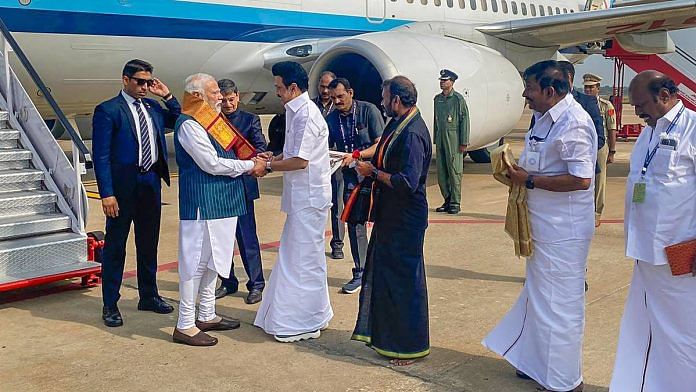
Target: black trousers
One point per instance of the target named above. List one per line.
(143, 208)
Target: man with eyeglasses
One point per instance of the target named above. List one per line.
(541, 336)
(130, 159)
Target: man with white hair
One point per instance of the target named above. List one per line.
(211, 197)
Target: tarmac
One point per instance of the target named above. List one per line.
(53, 338)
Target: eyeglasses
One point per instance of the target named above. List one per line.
(141, 81)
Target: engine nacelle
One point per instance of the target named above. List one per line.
(490, 83)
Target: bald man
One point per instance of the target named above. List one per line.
(657, 343)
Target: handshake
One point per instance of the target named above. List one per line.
(259, 169)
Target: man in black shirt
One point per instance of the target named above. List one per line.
(353, 125)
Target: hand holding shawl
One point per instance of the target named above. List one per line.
(517, 224)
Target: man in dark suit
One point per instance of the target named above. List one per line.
(130, 158)
(249, 125)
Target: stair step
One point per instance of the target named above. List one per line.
(8, 144)
(28, 225)
(14, 158)
(27, 202)
(14, 154)
(9, 139)
(22, 256)
(20, 180)
(9, 134)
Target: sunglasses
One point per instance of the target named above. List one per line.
(141, 82)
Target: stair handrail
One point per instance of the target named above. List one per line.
(74, 135)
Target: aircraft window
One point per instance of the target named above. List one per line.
(424, 2)
(550, 10)
(565, 10)
(541, 10)
(524, 8)
(514, 7)
(484, 5)
(473, 4)
(409, 1)
(503, 4)
(462, 4)
(494, 5)
(532, 9)
(437, 2)
(558, 11)
(450, 3)
(571, 11)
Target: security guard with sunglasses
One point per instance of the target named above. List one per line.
(130, 159)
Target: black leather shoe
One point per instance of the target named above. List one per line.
(155, 304)
(443, 208)
(453, 210)
(337, 254)
(111, 316)
(224, 291)
(253, 297)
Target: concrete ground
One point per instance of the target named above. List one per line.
(58, 341)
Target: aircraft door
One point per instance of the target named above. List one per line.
(375, 10)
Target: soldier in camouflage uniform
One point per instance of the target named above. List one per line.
(605, 154)
(451, 135)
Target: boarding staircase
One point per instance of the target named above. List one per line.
(42, 201)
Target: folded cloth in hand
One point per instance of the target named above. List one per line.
(517, 224)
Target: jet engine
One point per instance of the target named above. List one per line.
(490, 84)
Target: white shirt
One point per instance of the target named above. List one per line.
(668, 214)
(569, 148)
(153, 145)
(306, 137)
(194, 139)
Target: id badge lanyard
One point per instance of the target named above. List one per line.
(533, 159)
(639, 187)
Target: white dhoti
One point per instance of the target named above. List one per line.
(206, 248)
(542, 334)
(657, 343)
(296, 299)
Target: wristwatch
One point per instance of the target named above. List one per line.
(269, 169)
(167, 97)
(529, 184)
(374, 172)
(612, 151)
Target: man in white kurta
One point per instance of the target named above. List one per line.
(657, 343)
(541, 336)
(209, 205)
(296, 303)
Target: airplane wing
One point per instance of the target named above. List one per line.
(588, 26)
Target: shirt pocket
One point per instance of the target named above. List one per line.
(662, 164)
(363, 137)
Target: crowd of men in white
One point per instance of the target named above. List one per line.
(542, 334)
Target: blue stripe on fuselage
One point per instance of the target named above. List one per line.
(177, 19)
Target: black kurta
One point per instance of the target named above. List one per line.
(393, 314)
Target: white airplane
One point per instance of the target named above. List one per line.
(79, 46)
